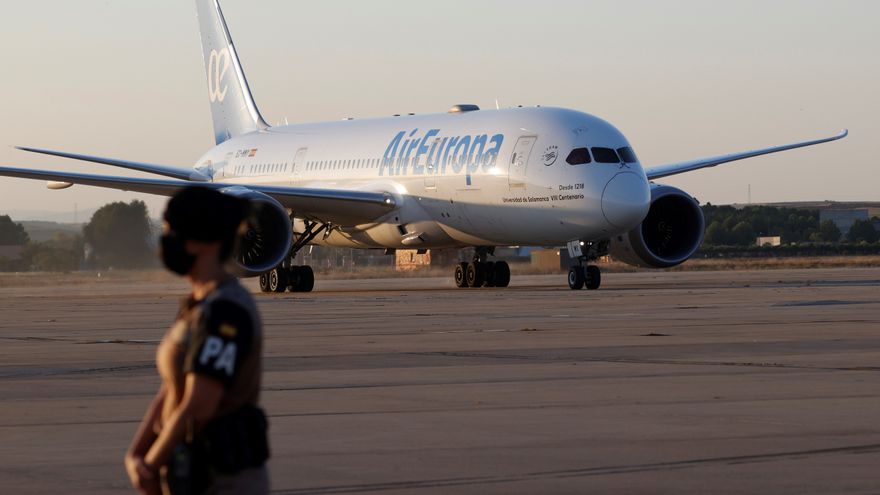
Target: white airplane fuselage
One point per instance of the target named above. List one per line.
(483, 177)
(465, 178)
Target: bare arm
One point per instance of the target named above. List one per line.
(201, 397)
(145, 435)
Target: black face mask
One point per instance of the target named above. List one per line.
(173, 253)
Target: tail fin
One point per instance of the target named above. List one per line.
(232, 105)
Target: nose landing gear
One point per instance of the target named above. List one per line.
(482, 273)
(581, 275)
(584, 276)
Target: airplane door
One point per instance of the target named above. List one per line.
(519, 160)
(298, 163)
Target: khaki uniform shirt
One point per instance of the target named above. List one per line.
(221, 337)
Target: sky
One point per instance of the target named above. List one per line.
(682, 79)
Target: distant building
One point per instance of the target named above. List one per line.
(546, 259)
(411, 259)
(844, 219)
(769, 241)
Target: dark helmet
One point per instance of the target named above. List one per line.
(202, 214)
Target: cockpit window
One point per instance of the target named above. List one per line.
(578, 156)
(627, 154)
(605, 155)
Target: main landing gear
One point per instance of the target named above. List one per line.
(293, 278)
(482, 273)
(288, 276)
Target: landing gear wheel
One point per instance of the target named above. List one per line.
(461, 275)
(293, 278)
(476, 274)
(264, 282)
(278, 280)
(576, 278)
(593, 277)
(300, 279)
(489, 270)
(306, 280)
(502, 274)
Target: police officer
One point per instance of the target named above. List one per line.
(204, 432)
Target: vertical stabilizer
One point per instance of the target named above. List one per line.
(232, 106)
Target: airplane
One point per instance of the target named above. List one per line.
(468, 177)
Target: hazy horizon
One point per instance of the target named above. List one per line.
(681, 79)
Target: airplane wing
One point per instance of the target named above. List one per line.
(661, 171)
(338, 206)
(174, 172)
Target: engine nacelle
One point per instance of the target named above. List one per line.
(670, 234)
(266, 242)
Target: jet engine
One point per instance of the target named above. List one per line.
(669, 235)
(267, 237)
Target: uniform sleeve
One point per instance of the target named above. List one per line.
(222, 338)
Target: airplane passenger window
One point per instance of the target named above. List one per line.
(578, 156)
(627, 154)
(605, 155)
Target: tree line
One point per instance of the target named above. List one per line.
(119, 235)
(729, 226)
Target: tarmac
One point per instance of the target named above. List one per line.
(673, 382)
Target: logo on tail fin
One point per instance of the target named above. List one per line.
(218, 66)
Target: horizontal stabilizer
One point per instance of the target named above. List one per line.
(174, 172)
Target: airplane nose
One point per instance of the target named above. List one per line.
(626, 200)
